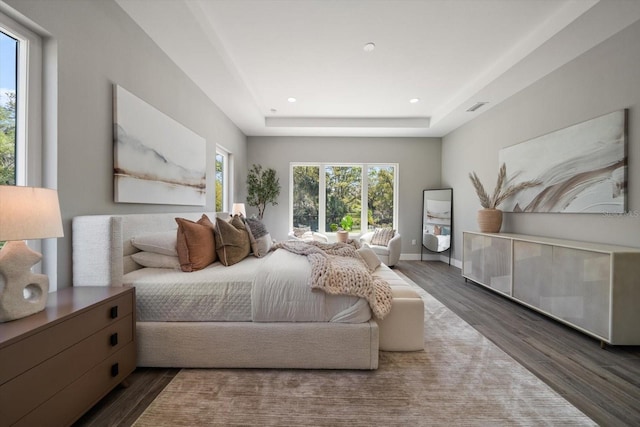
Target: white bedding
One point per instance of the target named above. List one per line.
(282, 293)
(270, 289)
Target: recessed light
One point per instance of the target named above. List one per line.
(414, 100)
(369, 47)
(292, 99)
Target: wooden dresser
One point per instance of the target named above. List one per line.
(56, 364)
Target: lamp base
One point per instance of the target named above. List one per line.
(22, 292)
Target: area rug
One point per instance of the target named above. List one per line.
(461, 378)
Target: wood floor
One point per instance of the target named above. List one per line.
(602, 383)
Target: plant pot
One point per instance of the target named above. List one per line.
(342, 236)
(490, 220)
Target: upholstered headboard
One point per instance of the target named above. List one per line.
(102, 246)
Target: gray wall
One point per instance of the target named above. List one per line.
(419, 168)
(98, 45)
(602, 80)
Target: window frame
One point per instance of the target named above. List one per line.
(29, 160)
(226, 156)
(364, 196)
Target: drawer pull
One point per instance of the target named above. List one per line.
(114, 312)
(115, 370)
(113, 339)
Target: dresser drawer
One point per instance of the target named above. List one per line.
(41, 382)
(34, 349)
(66, 406)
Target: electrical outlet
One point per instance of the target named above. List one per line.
(413, 242)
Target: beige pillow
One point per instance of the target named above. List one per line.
(153, 260)
(163, 242)
(195, 244)
(370, 258)
(381, 236)
(232, 241)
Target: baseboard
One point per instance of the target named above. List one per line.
(431, 257)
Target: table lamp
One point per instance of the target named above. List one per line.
(238, 209)
(25, 213)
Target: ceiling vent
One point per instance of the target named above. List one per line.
(476, 106)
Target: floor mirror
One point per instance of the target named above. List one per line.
(437, 221)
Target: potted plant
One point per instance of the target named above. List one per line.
(345, 227)
(490, 217)
(262, 187)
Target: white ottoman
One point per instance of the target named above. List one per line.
(403, 328)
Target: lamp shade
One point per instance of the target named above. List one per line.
(238, 209)
(29, 213)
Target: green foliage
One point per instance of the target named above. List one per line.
(346, 223)
(343, 194)
(262, 187)
(219, 183)
(8, 141)
(306, 203)
(380, 196)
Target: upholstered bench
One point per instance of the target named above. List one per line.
(403, 328)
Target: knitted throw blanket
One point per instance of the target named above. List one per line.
(337, 269)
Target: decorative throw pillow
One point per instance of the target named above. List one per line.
(195, 244)
(259, 237)
(232, 241)
(160, 243)
(150, 259)
(437, 230)
(370, 258)
(299, 231)
(381, 236)
(257, 227)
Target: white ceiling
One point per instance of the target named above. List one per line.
(249, 56)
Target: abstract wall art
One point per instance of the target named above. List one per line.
(156, 159)
(582, 168)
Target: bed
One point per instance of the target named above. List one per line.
(338, 337)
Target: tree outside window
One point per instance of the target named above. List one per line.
(343, 186)
(306, 199)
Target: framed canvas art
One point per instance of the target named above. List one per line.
(156, 159)
(581, 168)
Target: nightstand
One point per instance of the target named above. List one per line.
(56, 364)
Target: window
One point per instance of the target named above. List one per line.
(222, 181)
(8, 83)
(322, 194)
(20, 103)
(306, 197)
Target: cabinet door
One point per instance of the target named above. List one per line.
(581, 289)
(487, 260)
(532, 272)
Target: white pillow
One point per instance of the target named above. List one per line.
(160, 243)
(153, 260)
(370, 258)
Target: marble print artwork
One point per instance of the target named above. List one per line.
(582, 168)
(156, 159)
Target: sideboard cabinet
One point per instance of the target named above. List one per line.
(592, 287)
